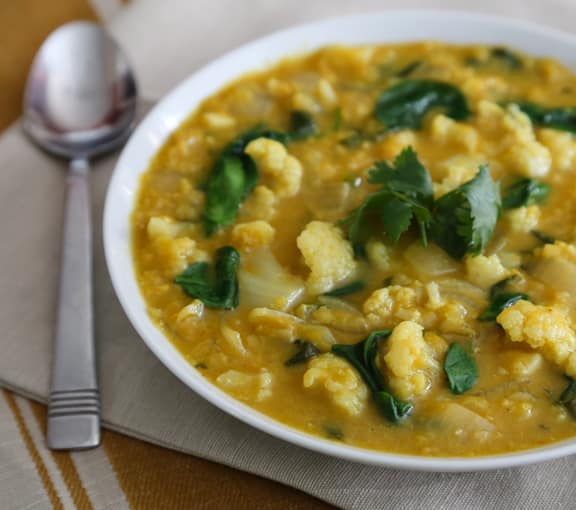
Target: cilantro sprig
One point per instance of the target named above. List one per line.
(406, 196)
(465, 218)
(461, 221)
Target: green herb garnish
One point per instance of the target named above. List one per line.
(507, 57)
(362, 356)
(465, 218)
(351, 288)
(525, 192)
(217, 286)
(406, 195)
(460, 368)
(302, 125)
(306, 351)
(499, 303)
(233, 177)
(568, 396)
(404, 106)
(560, 118)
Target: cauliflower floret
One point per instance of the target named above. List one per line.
(342, 320)
(245, 386)
(215, 120)
(485, 271)
(328, 255)
(273, 161)
(394, 302)
(456, 171)
(254, 234)
(515, 138)
(176, 254)
(446, 130)
(343, 384)
(260, 205)
(543, 328)
(387, 307)
(523, 219)
(162, 226)
(561, 145)
(555, 265)
(410, 361)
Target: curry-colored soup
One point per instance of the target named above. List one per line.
(420, 196)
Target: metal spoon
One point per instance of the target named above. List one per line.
(80, 102)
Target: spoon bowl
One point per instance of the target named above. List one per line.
(80, 98)
(80, 102)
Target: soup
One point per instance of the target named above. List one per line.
(375, 245)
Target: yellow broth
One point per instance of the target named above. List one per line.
(514, 405)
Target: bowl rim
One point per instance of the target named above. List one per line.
(122, 271)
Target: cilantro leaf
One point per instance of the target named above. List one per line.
(404, 106)
(406, 195)
(216, 287)
(465, 218)
(525, 192)
(407, 176)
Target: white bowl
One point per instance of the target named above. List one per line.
(381, 27)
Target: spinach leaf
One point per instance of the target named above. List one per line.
(216, 287)
(560, 118)
(306, 351)
(362, 356)
(302, 125)
(568, 396)
(351, 288)
(465, 218)
(403, 106)
(542, 237)
(499, 303)
(460, 368)
(499, 287)
(507, 56)
(233, 177)
(525, 192)
(406, 195)
(500, 299)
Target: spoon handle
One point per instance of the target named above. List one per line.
(74, 406)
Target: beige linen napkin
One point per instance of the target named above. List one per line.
(141, 398)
